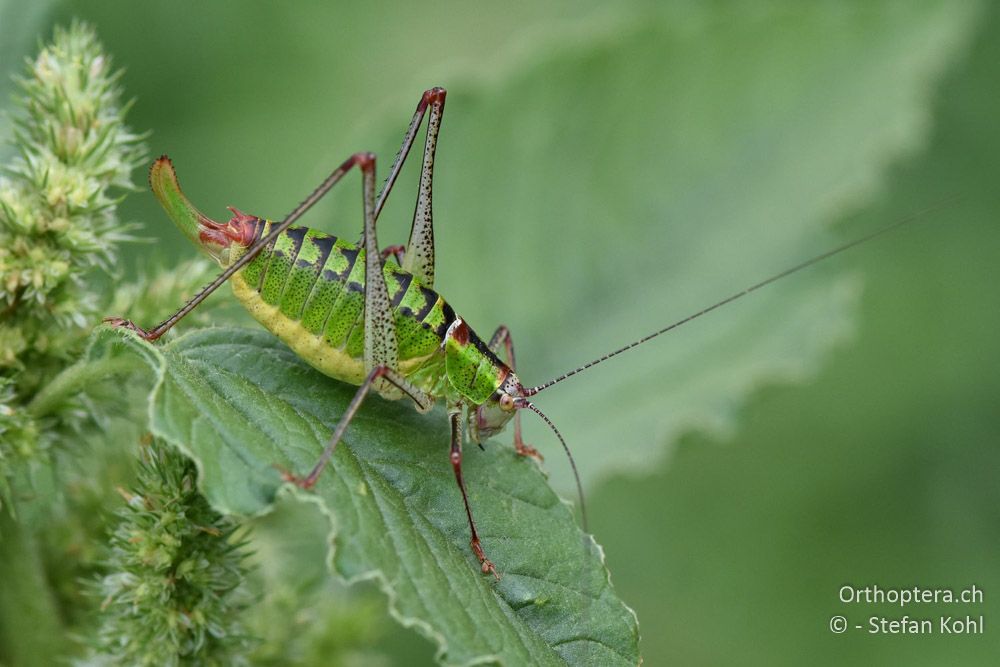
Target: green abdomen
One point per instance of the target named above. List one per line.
(308, 289)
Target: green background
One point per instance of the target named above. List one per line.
(731, 532)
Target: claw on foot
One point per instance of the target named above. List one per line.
(527, 450)
(485, 563)
(301, 482)
(125, 324)
(130, 325)
(488, 568)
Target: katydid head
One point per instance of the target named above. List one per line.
(215, 238)
(493, 414)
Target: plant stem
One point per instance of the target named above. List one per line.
(75, 378)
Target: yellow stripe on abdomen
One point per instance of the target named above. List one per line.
(334, 362)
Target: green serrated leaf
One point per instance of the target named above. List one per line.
(240, 403)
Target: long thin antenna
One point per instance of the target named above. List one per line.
(531, 391)
(572, 464)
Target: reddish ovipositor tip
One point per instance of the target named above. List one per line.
(213, 237)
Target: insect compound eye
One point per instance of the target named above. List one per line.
(506, 402)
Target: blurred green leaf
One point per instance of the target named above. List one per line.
(882, 472)
(239, 402)
(21, 25)
(641, 171)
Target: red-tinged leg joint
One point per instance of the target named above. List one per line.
(395, 251)
(365, 160)
(485, 563)
(305, 483)
(431, 95)
(131, 326)
(523, 449)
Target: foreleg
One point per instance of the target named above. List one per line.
(455, 418)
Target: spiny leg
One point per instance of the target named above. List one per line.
(404, 149)
(252, 252)
(419, 258)
(455, 418)
(380, 325)
(502, 337)
(384, 373)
